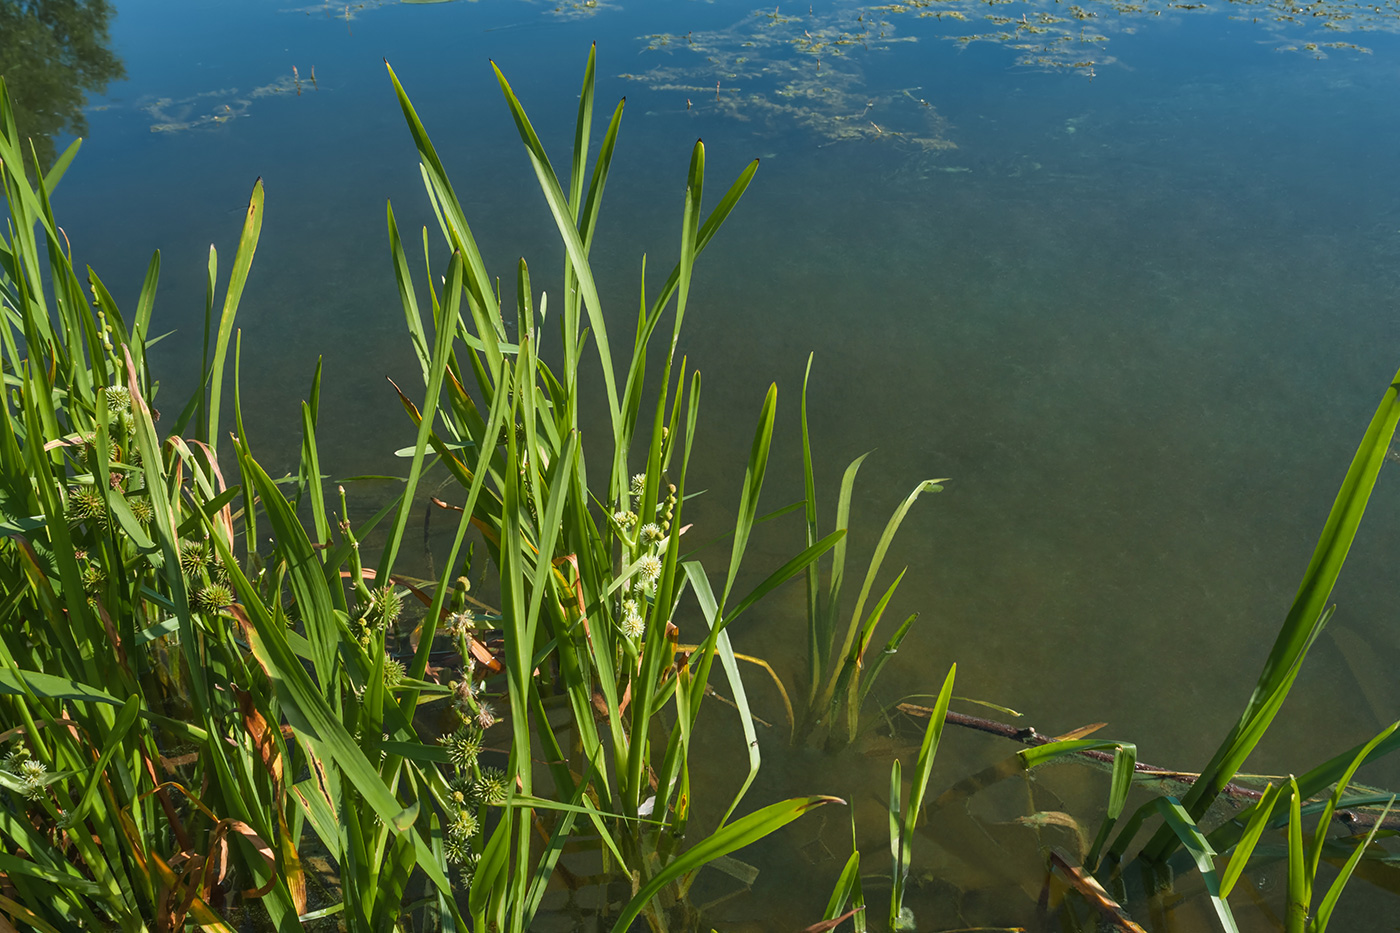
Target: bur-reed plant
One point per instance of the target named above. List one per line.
(185, 722)
(1180, 837)
(137, 765)
(191, 715)
(591, 578)
(839, 677)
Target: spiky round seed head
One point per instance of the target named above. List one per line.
(118, 398)
(84, 503)
(464, 824)
(461, 855)
(491, 787)
(394, 672)
(214, 598)
(457, 851)
(218, 570)
(141, 507)
(384, 607)
(193, 557)
(463, 747)
(93, 577)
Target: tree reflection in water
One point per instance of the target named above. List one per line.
(52, 54)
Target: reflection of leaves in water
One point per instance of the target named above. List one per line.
(52, 54)
(210, 108)
(784, 70)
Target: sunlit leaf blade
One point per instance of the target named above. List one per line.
(242, 263)
(1179, 822)
(1305, 617)
(741, 832)
(1239, 859)
(1329, 901)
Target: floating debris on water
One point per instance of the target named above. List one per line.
(780, 71)
(210, 108)
(806, 70)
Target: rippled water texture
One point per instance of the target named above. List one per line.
(1125, 272)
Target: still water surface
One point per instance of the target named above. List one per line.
(1126, 272)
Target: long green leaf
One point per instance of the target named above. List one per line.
(573, 243)
(1239, 859)
(1180, 823)
(923, 769)
(1329, 901)
(736, 835)
(242, 262)
(1305, 617)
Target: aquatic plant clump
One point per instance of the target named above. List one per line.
(239, 672)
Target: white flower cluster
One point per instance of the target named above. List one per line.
(644, 553)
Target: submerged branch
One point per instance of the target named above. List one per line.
(1356, 821)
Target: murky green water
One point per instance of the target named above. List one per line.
(1127, 273)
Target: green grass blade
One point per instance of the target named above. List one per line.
(302, 702)
(581, 130)
(126, 718)
(1180, 823)
(1301, 626)
(708, 229)
(898, 874)
(146, 303)
(1329, 901)
(845, 887)
(1325, 820)
(876, 560)
(918, 788)
(242, 262)
(809, 502)
(709, 609)
(573, 243)
(786, 572)
(753, 485)
(1239, 859)
(890, 650)
(483, 299)
(404, 278)
(60, 166)
(442, 349)
(742, 832)
(1299, 884)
